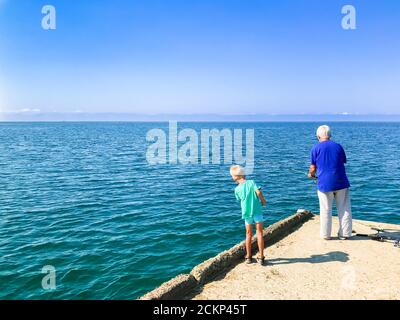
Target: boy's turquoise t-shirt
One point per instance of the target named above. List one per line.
(246, 193)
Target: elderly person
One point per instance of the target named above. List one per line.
(327, 160)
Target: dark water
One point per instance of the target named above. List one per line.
(82, 198)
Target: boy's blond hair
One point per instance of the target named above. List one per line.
(237, 172)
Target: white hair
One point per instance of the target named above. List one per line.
(237, 171)
(324, 132)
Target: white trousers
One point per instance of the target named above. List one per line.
(343, 206)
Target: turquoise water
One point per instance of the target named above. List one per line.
(82, 198)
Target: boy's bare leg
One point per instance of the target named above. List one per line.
(249, 235)
(260, 239)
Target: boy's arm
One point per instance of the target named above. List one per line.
(261, 196)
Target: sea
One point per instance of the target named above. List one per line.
(80, 202)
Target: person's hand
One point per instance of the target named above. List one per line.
(311, 176)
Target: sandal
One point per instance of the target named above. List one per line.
(247, 260)
(261, 260)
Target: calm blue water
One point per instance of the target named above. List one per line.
(81, 197)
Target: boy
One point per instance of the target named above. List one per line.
(251, 199)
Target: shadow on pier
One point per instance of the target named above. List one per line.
(334, 256)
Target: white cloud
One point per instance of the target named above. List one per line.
(28, 110)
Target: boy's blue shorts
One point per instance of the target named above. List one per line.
(254, 219)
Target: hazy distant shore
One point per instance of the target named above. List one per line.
(43, 117)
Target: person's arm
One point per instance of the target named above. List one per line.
(312, 171)
(313, 166)
(261, 197)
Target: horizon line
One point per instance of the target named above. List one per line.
(205, 117)
(38, 112)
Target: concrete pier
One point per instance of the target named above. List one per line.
(303, 266)
(299, 265)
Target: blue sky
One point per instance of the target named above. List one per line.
(200, 56)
